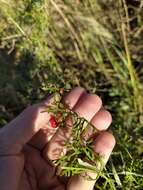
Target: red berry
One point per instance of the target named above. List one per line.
(53, 122)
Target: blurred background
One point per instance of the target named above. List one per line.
(97, 44)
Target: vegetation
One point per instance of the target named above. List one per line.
(79, 158)
(92, 43)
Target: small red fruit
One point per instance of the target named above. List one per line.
(53, 122)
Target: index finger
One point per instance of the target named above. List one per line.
(45, 134)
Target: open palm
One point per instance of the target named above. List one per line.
(27, 144)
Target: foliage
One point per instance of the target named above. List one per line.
(79, 157)
(92, 43)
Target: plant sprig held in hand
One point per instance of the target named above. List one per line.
(80, 159)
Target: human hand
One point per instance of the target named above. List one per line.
(23, 141)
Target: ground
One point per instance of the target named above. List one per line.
(92, 43)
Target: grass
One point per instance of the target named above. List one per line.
(95, 44)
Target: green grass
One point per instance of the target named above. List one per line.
(92, 43)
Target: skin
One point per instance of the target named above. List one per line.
(27, 144)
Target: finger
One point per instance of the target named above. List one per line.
(73, 96)
(45, 134)
(87, 106)
(19, 131)
(101, 121)
(103, 146)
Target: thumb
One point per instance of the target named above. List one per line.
(20, 130)
(103, 146)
